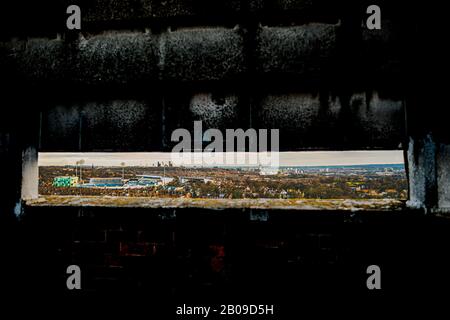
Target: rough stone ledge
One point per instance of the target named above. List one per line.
(284, 204)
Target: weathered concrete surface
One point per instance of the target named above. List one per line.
(202, 54)
(28, 17)
(127, 125)
(216, 109)
(105, 59)
(380, 119)
(273, 204)
(30, 174)
(283, 11)
(102, 10)
(443, 176)
(422, 173)
(429, 175)
(128, 58)
(313, 52)
(123, 58)
(50, 16)
(276, 69)
(113, 11)
(42, 60)
(302, 50)
(282, 5)
(383, 53)
(320, 121)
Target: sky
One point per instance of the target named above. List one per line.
(307, 158)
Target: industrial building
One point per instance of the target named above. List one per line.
(104, 182)
(149, 180)
(65, 181)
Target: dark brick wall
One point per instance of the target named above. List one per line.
(231, 255)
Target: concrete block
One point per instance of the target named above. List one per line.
(202, 54)
(304, 51)
(324, 121)
(122, 58)
(422, 172)
(43, 60)
(61, 128)
(117, 125)
(298, 117)
(216, 110)
(379, 121)
(106, 59)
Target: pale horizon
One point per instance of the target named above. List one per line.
(286, 159)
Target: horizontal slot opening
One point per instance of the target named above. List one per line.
(353, 179)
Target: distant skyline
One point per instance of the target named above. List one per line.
(305, 158)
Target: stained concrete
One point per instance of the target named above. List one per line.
(104, 59)
(443, 176)
(30, 174)
(110, 125)
(214, 110)
(203, 54)
(301, 50)
(422, 172)
(365, 119)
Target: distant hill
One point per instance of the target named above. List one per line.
(398, 166)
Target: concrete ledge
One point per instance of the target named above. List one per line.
(297, 204)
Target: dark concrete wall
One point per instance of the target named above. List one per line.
(324, 71)
(140, 69)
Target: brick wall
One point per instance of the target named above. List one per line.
(225, 255)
